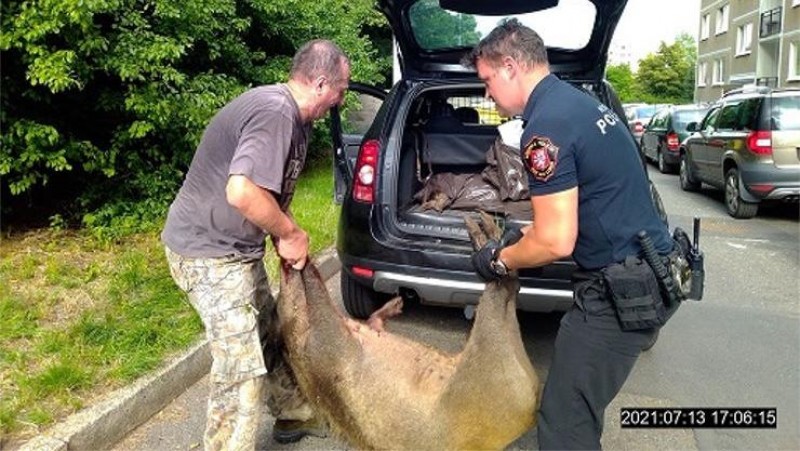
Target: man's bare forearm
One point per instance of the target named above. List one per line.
(259, 207)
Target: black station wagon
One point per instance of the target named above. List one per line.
(434, 123)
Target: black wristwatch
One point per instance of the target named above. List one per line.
(498, 266)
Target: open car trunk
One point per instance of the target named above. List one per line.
(452, 162)
(426, 150)
(409, 177)
(445, 159)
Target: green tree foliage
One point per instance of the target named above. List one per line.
(667, 76)
(622, 79)
(112, 96)
(437, 28)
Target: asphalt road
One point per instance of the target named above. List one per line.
(736, 348)
(739, 345)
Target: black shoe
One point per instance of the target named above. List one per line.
(290, 431)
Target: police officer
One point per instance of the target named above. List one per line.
(590, 198)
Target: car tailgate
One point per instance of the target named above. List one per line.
(786, 149)
(785, 125)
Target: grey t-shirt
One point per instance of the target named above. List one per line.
(259, 135)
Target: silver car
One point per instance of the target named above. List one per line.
(639, 116)
(749, 146)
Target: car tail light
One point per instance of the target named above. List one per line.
(760, 142)
(672, 141)
(638, 127)
(364, 180)
(761, 188)
(362, 272)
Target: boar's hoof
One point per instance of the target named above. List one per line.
(392, 308)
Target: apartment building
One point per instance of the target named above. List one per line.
(744, 42)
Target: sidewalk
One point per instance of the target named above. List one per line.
(104, 424)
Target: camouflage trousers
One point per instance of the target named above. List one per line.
(234, 301)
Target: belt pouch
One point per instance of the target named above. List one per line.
(634, 291)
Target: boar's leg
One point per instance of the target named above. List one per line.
(315, 332)
(319, 344)
(492, 397)
(479, 234)
(378, 318)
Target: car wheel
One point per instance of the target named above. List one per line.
(358, 300)
(737, 207)
(663, 167)
(652, 341)
(688, 183)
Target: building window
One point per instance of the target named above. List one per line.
(702, 72)
(719, 73)
(744, 39)
(705, 26)
(794, 60)
(722, 19)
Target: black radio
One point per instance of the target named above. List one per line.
(686, 263)
(695, 258)
(680, 275)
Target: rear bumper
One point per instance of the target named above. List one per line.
(453, 283)
(672, 157)
(771, 183)
(784, 194)
(458, 293)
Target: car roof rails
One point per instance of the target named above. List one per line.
(787, 89)
(748, 89)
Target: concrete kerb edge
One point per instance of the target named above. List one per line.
(120, 412)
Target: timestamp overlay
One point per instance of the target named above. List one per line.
(699, 417)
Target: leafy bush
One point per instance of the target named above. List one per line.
(114, 94)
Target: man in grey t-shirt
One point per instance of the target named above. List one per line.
(238, 191)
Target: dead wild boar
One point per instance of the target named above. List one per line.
(378, 390)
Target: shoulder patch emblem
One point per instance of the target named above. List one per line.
(540, 157)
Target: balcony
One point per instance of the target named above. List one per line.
(770, 22)
(772, 82)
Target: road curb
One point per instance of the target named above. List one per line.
(105, 423)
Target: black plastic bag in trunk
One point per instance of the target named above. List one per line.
(505, 172)
(503, 180)
(458, 192)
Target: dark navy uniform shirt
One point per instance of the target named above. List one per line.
(572, 140)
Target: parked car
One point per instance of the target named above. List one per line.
(748, 145)
(629, 107)
(630, 111)
(388, 243)
(638, 118)
(666, 131)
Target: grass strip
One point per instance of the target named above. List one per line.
(80, 316)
